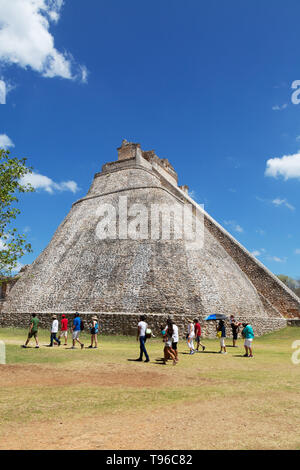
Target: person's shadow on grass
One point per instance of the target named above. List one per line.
(201, 352)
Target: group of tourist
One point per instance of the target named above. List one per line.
(56, 333)
(169, 334)
(171, 337)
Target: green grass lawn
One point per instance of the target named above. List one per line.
(104, 381)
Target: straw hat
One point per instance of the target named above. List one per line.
(94, 318)
(54, 317)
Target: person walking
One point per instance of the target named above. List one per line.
(33, 331)
(248, 335)
(221, 330)
(64, 329)
(141, 337)
(168, 337)
(197, 327)
(54, 331)
(76, 329)
(175, 339)
(235, 330)
(94, 332)
(190, 336)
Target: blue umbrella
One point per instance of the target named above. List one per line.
(216, 316)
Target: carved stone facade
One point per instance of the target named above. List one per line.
(121, 277)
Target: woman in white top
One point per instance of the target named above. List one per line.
(169, 353)
(190, 336)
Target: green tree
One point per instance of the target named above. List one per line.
(293, 284)
(13, 245)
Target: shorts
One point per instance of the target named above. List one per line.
(174, 346)
(234, 335)
(248, 342)
(169, 343)
(76, 334)
(198, 339)
(32, 334)
(222, 342)
(64, 333)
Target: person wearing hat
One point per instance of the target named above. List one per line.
(94, 328)
(198, 335)
(54, 331)
(64, 329)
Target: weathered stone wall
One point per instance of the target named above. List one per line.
(124, 323)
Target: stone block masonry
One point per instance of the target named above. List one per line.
(124, 323)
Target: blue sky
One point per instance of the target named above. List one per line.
(207, 84)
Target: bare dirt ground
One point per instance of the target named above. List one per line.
(204, 424)
(97, 401)
(186, 426)
(25, 375)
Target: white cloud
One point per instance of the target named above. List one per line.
(18, 267)
(25, 39)
(279, 108)
(279, 202)
(277, 259)
(47, 184)
(5, 142)
(256, 253)
(287, 166)
(297, 251)
(260, 231)
(234, 226)
(5, 88)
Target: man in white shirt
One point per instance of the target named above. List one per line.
(54, 331)
(141, 337)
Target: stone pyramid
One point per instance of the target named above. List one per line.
(93, 265)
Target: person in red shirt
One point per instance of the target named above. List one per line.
(64, 329)
(198, 335)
